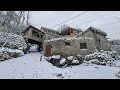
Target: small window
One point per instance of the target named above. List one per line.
(67, 43)
(98, 40)
(42, 36)
(83, 46)
(38, 35)
(34, 33)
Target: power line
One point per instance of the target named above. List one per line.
(70, 19)
(92, 20)
(63, 16)
(89, 16)
(109, 23)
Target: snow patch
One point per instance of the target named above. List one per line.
(56, 57)
(62, 62)
(30, 67)
(70, 58)
(75, 62)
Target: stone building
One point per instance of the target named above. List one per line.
(34, 35)
(69, 46)
(99, 38)
(37, 36)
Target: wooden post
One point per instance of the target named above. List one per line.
(41, 58)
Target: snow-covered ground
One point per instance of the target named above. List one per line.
(29, 66)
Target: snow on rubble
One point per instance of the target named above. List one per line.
(12, 41)
(103, 58)
(56, 56)
(6, 53)
(60, 62)
(11, 46)
(99, 58)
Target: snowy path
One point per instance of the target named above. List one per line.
(30, 67)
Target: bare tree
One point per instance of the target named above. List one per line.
(28, 18)
(61, 28)
(12, 21)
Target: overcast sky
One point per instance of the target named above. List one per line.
(108, 21)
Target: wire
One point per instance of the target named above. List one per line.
(109, 23)
(70, 19)
(92, 20)
(63, 16)
(89, 16)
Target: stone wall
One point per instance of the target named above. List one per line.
(103, 44)
(59, 47)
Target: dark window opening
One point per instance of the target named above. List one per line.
(42, 36)
(67, 43)
(36, 34)
(71, 31)
(83, 46)
(98, 40)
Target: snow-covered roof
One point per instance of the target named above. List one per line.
(93, 30)
(50, 30)
(30, 26)
(67, 39)
(97, 31)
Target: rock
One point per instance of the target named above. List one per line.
(63, 61)
(58, 65)
(55, 59)
(89, 57)
(75, 62)
(1, 56)
(103, 63)
(58, 75)
(68, 62)
(100, 58)
(96, 67)
(26, 49)
(6, 56)
(95, 61)
(115, 55)
(15, 53)
(118, 74)
(70, 58)
(80, 58)
(48, 59)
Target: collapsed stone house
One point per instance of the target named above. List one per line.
(99, 38)
(83, 43)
